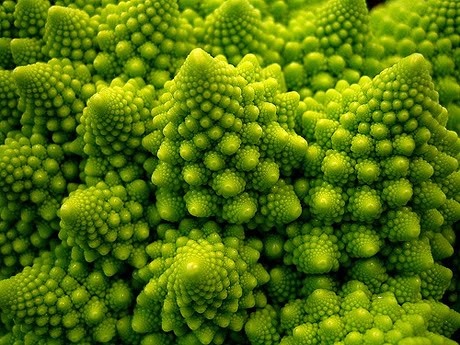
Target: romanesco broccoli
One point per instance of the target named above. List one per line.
(254, 172)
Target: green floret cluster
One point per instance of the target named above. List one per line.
(61, 296)
(226, 136)
(255, 172)
(204, 280)
(430, 29)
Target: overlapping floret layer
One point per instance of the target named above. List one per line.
(229, 172)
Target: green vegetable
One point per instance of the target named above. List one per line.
(229, 172)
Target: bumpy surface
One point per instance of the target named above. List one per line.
(254, 172)
(202, 281)
(225, 142)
